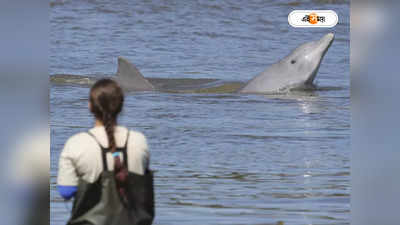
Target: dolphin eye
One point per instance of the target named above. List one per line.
(293, 61)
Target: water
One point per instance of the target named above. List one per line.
(218, 158)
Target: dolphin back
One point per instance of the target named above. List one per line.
(130, 78)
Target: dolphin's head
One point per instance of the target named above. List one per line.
(305, 60)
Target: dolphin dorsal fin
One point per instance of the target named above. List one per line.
(130, 77)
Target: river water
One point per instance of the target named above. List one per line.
(218, 158)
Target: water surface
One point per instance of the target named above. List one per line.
(218, 158)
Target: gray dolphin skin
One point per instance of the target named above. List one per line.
(297, 70)
(130, 78)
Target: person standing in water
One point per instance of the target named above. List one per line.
(106, 169)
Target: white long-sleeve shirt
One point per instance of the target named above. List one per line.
(81, 156)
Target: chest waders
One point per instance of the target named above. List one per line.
(99, 203)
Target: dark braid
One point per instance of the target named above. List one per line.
(106, 99)
(109, 125)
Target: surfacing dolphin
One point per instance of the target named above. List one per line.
(295, 71)
(130, 78)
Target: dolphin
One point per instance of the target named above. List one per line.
(295, 71)
(130, 78)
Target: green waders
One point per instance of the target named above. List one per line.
(99, 203)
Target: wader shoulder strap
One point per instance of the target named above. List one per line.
(103, 152)
(124, 151)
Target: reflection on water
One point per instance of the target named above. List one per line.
(219, 158)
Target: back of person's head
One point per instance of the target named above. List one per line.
(106, 100)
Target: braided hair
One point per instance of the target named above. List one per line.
(106, 100)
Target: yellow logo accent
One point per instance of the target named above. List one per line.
(313, 18)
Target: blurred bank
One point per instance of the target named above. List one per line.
(375, 108)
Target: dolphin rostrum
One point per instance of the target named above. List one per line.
(295, 71)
